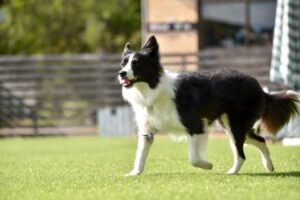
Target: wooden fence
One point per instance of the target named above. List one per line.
(63, 92)
(14, 109)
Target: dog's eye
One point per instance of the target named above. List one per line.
(124, 62)
(134, 62)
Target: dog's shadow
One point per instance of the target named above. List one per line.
(275, 174)
(272, 174)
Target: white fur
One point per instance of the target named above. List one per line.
(144, 144)
(237, 164)
(265, 154)
(155, 111)
(197, 150)
(127, 68)
(154, 108)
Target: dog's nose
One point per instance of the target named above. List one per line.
(122, 74)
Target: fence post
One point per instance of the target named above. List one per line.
(35, 122)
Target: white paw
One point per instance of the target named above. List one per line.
(236, 166)
(202, 164)
(133, 173)
(232, 171)
(268, 165)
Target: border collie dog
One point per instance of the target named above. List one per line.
(190, 102)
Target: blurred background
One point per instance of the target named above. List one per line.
(59, 59)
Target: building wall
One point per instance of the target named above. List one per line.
(172, 11)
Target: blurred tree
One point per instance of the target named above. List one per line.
(68, 26)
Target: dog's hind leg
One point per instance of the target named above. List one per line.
(144, 144)
(238, 153)
(197, 150)
(259, 142)
(237, 134)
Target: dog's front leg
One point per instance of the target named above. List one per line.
(143, 147)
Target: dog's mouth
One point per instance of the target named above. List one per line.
(126, 82)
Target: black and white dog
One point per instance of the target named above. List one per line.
(190, 102)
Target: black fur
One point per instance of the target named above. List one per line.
(209, 95)
(253, 135)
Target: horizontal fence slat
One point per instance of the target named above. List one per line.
(59, 57)
(62, 66)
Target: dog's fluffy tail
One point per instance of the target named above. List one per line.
(280, 109)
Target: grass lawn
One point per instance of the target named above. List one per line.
(93, 168)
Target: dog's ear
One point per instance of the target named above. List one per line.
(151, 47)
(127, 49)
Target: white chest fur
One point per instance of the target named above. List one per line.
(155, 109)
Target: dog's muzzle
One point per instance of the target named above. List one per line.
(123, 80)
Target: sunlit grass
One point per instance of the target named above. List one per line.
(93, 168)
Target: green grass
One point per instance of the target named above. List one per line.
(94, 168)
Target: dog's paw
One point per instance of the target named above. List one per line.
(268, 164)
(133, 173)
(203, 164)
(232, 171)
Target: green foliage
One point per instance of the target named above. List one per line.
(68, 26)
(94, 168)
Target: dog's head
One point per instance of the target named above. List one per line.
(140, 66)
